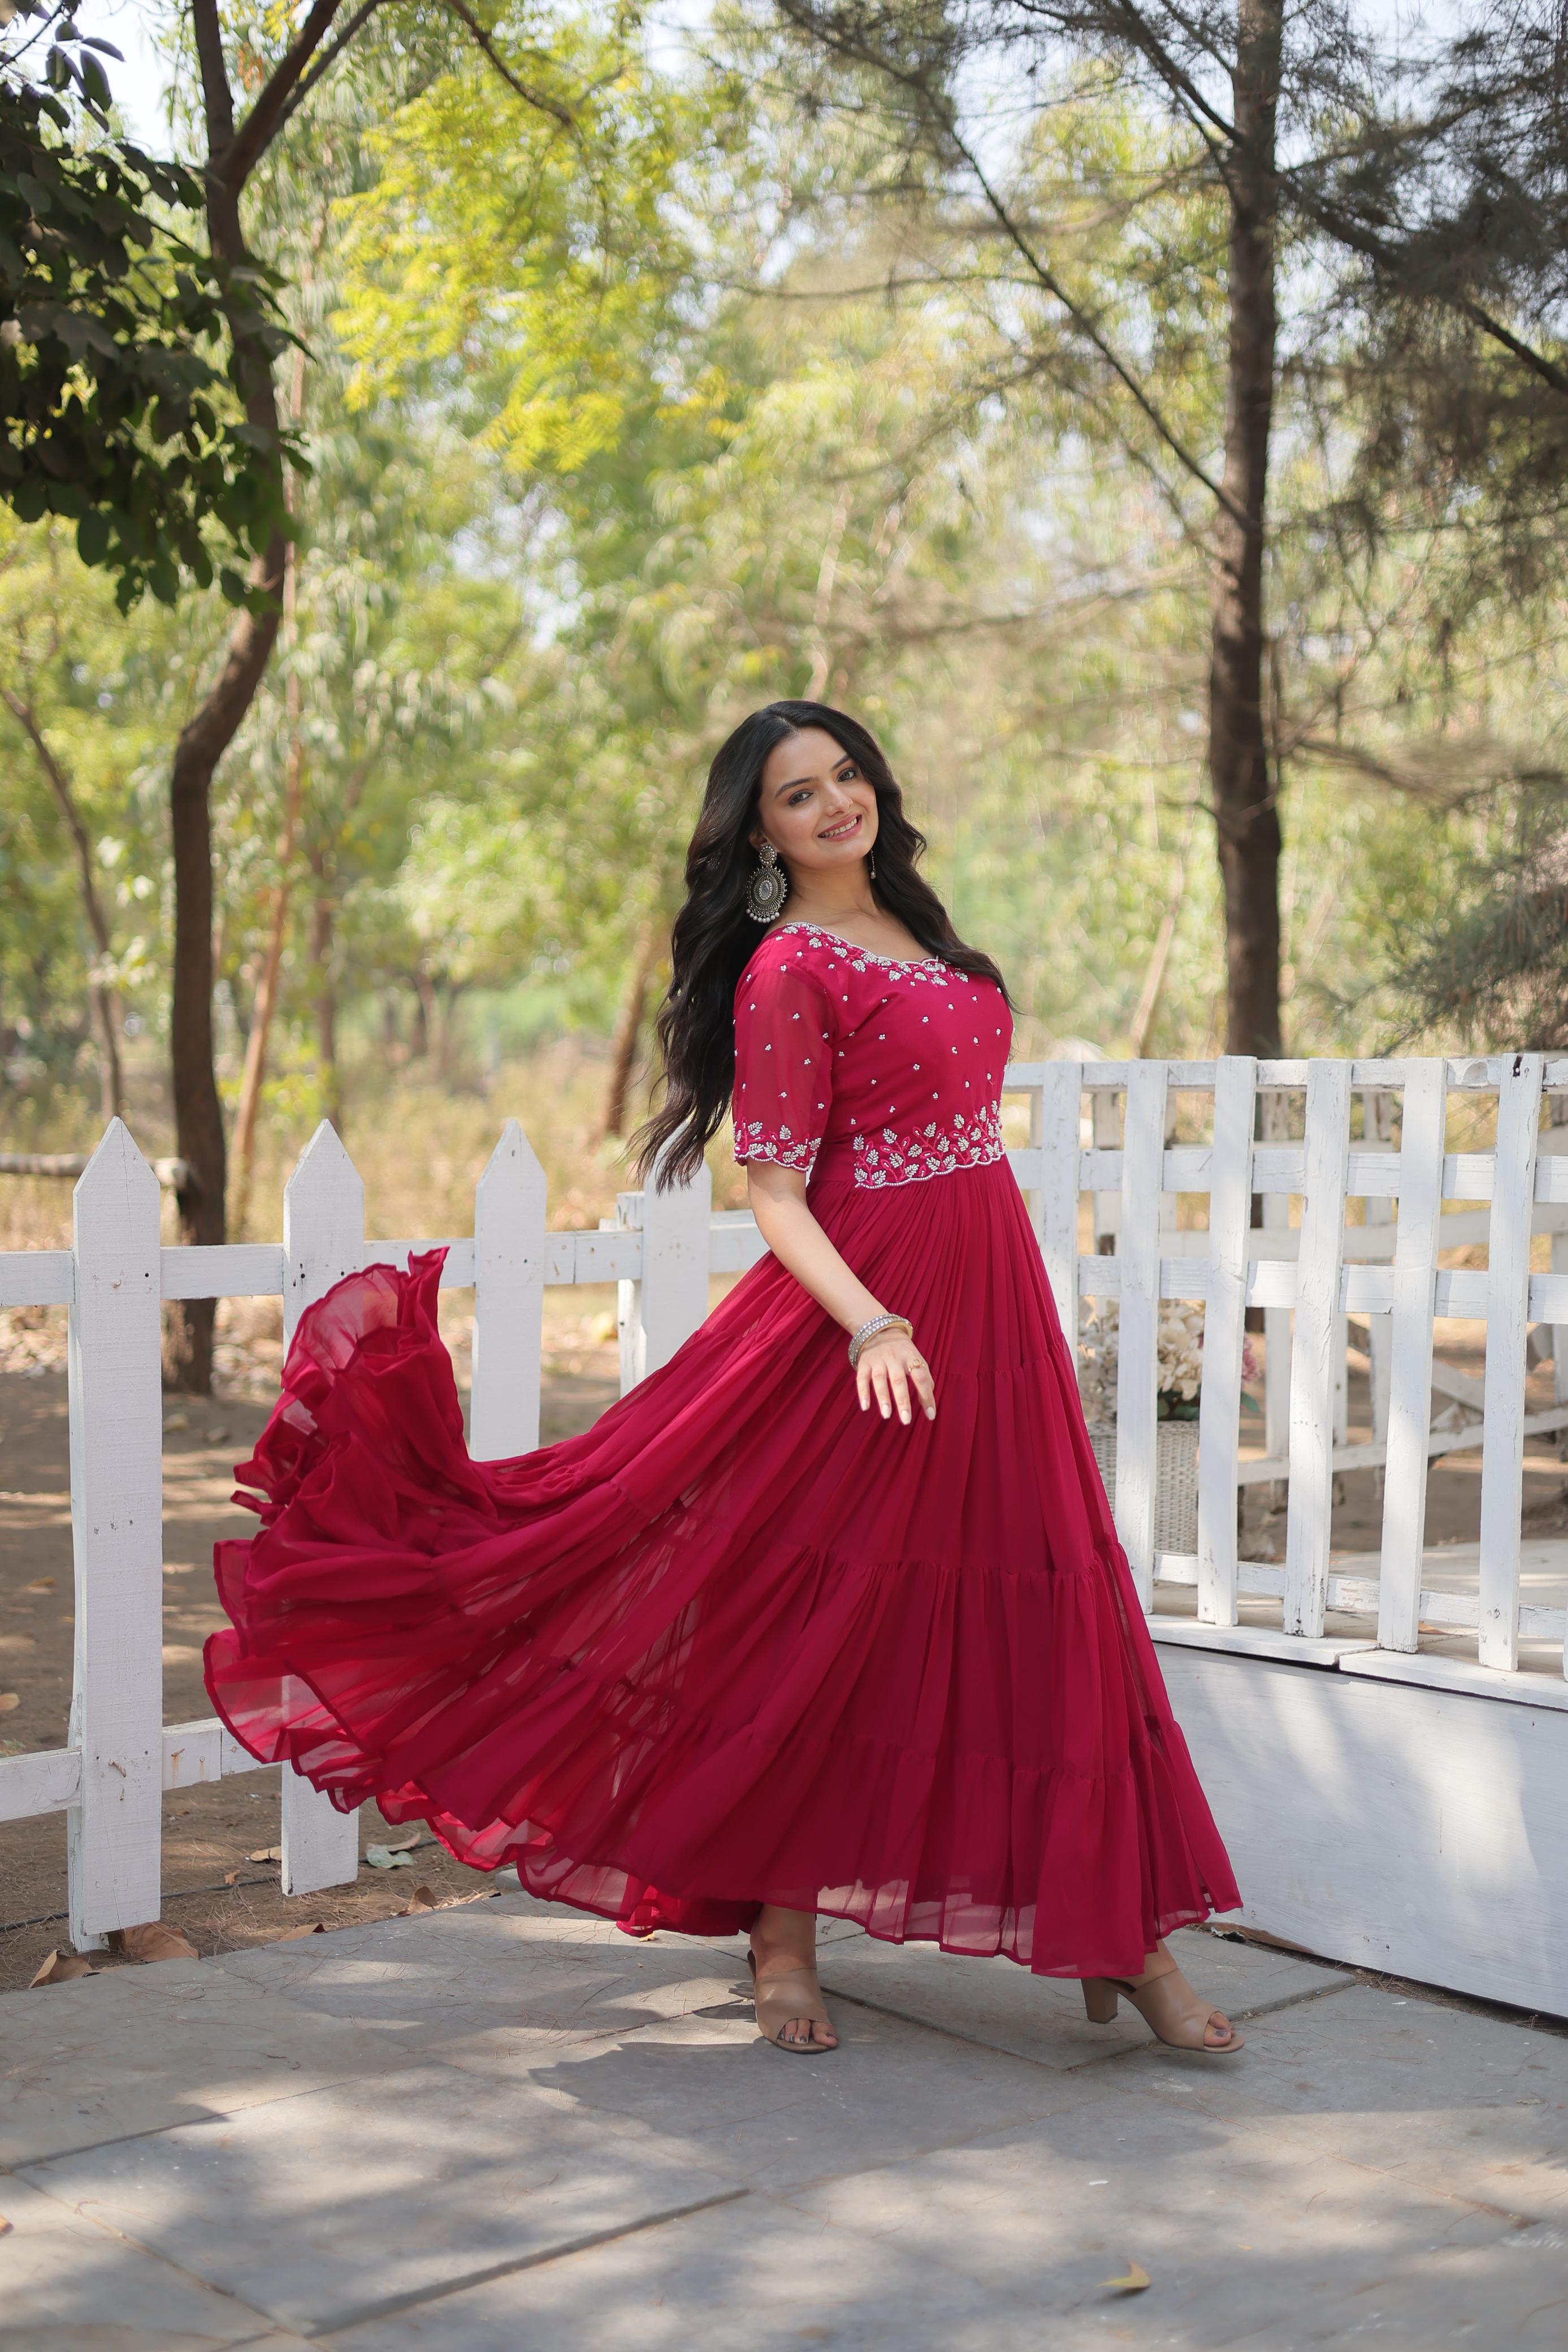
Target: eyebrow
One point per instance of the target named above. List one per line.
(847, 762)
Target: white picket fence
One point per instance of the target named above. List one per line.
(121, 1755)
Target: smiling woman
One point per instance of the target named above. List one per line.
(780, 1635)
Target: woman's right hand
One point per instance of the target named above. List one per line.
(893, 1371)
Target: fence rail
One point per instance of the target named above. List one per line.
(1100, 1151)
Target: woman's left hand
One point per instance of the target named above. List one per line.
(892, 1370)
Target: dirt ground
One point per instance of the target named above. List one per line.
(208, 1833)
(211, 1835)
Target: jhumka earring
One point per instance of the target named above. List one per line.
(871, 863)
(767, 889)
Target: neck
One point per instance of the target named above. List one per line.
(832, 906)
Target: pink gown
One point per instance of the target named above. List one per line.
(741, 1642)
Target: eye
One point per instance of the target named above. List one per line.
(797, 797)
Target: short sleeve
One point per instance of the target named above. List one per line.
(783, 1066)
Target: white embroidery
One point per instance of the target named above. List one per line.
(755, 1142)
(890, 1157)
(925, 968)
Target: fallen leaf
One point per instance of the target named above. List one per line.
(390, 1857)
(40, 1585)
(175, 1422)
(8, 1699)
(230, 1878)
(265, 1853)
(421, 1900)
(63, 1968)
(1136, 2280)
(155, 1940)
(292, 1935)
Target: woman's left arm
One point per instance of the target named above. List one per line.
(890, 1367)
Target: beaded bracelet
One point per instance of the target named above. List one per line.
(868, 1331)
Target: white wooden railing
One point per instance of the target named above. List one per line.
(121, 1755)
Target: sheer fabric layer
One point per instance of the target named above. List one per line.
(739, 1643)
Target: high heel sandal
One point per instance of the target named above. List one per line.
(1168, 2006)
(777, 2005)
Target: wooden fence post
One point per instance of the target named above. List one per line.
(1422, 1133)
(1275, 1121)
(670, 1302)
(1138, 1319)
(1508, 1328)
(1317, 1347)
(1055, 1113)
(1223, 1335)
(114, 1830)
(508, 1300)
(323, 1239)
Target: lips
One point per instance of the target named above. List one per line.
(841, 832)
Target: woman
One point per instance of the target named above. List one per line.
(785, 1634)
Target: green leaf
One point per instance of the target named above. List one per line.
(93, 536)
(233, 586)
(30, 497)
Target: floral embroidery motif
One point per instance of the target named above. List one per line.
(925, 968)
(892, 1158)
(755, 1142)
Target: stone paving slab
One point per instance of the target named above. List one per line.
(504, 2126)
(1247, 2237)
(455, 1974)
(343, 2200)
(1456, 2102)
(135, 2049)
(1042, 2018)
(764, 2117)
(743, 2277)
(66, 2285)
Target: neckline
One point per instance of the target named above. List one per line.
(899, 963)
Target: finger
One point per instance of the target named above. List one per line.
(925, 1389)
(863, 1382)
(879, 1382)
(900, 1392)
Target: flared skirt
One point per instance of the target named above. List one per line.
(741, 1642)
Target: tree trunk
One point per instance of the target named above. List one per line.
(629, 1027)
(205, 737)
(111, 1090)
(266, 994)
(1245, 805)
(257, 1043)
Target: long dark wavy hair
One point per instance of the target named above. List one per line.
(715, 939)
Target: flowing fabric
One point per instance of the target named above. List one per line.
(741, 1643)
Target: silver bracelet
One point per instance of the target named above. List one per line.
(868, 1331)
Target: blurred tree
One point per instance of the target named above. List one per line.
(115, 404)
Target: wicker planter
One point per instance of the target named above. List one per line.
(1176, 1481)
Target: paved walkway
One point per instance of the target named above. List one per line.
(503, 2128)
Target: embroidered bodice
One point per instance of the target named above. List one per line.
(854, 1064)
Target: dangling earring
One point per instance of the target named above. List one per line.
(871, 865)
(767, 889)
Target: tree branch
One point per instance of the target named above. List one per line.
(535, 98)
(243, 149)
(325, 62)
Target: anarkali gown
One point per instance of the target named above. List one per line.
(743, 1642)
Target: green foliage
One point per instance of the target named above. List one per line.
(116, 408)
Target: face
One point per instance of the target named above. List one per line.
(817, 807)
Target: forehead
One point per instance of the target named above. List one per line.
(813, 752)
